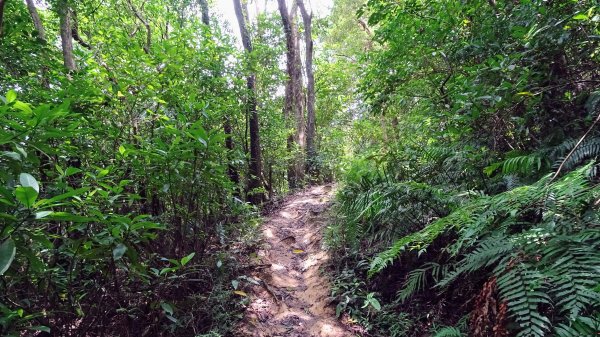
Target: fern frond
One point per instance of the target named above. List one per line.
(418, 278)
(448, 331)
(522, 289)
(489, 252)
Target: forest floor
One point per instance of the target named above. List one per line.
(292, 296)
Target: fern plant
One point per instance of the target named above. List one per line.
(541, 242)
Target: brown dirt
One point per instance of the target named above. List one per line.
(292, 298)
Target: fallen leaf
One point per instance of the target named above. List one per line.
(298, 251)
(241, 293)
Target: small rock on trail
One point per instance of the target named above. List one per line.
(292, 298)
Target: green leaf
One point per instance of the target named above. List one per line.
(63, 196)
(71, 171)
(40, 328)
(375, 304)
(42, 214)
(12, 155)
(26, 195)
(581, 17)
(23, 107)
(21, 151)
(7, 255)
(187, 259)
(64, 216)
(167, 308)
(119, 251)
(27, 180)
(11, 96)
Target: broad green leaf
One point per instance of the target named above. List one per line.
(167, 308)
(27, 180)
(71, 171)
(12, 155)
(23, 107)
(187, 259)
(581, 17)
(11, 96)
(7, 255)
(375, 303)
(26, 195)
(119, 251)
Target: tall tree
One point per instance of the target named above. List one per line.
(37, 22)
(255, 171)
(2, 4)
(310, 89)
(204, 11)
(66, 35)
(293, 94)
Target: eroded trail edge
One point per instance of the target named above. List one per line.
(292, 297)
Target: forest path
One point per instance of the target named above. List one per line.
(292, 297)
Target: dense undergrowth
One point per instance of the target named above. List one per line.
(135, 134)
(123, 167)
(477, 212)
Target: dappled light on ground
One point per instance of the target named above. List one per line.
(291, 298)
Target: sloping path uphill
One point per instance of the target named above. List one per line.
(291, 297)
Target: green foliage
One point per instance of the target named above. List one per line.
(448, 332)
(478, 104)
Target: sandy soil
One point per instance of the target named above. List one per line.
(292, 296)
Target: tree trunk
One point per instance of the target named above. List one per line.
(66, 35)
(293, 95)
(311, 151)
(2, 4)
(37, 22)
(255, 174)
(204, 10)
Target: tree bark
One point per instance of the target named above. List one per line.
(255, 171)
(75, 31)
(66, 35)
(293, 95)
(37, 22)
(2, 4)
(204, 10)
(311, 151)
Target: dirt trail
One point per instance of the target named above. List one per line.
(292, 299)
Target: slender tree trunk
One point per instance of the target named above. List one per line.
(37, 22)
(255, 172)
(311, 151)
(204, 10)
(2, 4)
(66, 35)
(293, 95)
(300, 136)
